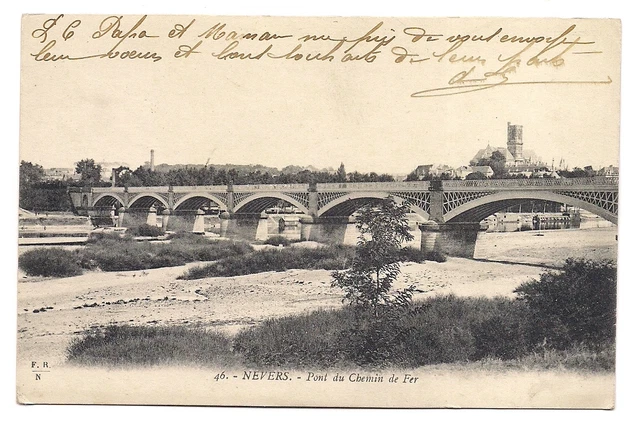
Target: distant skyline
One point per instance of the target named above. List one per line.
(160, 160)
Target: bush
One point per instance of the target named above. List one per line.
(576, 305)
(146, 230)
(307, 340)
(410, 254)
(436, 256)
(438, 330)
(50, 262)
(277, 241)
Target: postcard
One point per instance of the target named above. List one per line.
(318, 211)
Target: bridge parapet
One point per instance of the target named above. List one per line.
(373, 186)
(533, 184)
(106, 190)
(208, 188)
(146, 189)
(290, 187)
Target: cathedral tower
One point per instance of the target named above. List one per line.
(514, 142)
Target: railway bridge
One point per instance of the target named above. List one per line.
(450, 210)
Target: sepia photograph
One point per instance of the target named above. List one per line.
(377, 212)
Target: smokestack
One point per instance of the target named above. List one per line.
(152, 164)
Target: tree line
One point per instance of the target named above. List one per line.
(209, 175)
(38, 193)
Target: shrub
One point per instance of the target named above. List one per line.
(277, 241)
(436, 256)
(438, 330)
(147, 230)
(307, 340)
(50, 262)
(409, 254)
(573, 306)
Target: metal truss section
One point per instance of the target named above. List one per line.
(239, 197)
(177, 197)
(417, 198)
(302, 197)
(325, 197)
(452, 200)
(221, 196)
(607, 200)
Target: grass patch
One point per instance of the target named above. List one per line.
(111, 252)
(512, 333)
(575, 358)
(123, 254)
(327, 258)
(477, 333)
(333, 257)
(146, 230)
(145, 346)
(439, 330)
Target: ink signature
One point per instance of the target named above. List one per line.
(552, 55)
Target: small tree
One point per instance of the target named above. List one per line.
(30, 173)
(383, 227)
(476, 175)
(412, 177)
(342, 173)
(89, 171)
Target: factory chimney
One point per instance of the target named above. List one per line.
(152, 165)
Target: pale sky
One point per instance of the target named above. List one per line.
(277, 112)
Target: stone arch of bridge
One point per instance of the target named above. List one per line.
(347, 204)
(194, 201)
(481, 208)
(258, 202)
(146, 199)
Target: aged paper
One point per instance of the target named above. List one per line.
(391, 96)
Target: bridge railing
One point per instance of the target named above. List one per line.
(155, 189)
(367, 186)
(382, 186)
(274, 188)
(209, 188)
(531, 183)
(108, 190)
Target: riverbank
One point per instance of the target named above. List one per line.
(51, 312)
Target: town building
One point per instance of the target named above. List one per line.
(463, 171)
(60, 173)
(432, 170)
(609, 171)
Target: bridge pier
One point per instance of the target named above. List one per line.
(239, 226)
(452, 239)
(262, 232)
(340, 230)
(198, 224)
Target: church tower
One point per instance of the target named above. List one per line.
(514, 142)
